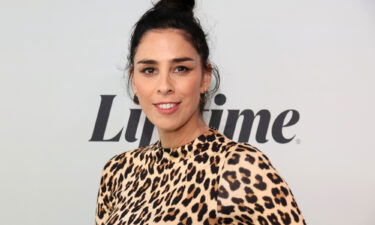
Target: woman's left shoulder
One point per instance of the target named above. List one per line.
(250, 183)
(243, 152)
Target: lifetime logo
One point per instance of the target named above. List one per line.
(248, 116)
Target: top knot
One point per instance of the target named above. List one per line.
(175, 6)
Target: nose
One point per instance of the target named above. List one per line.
(165, 85)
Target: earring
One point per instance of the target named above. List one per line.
(203, 97)
(135, 99)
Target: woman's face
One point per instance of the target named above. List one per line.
(168, 78)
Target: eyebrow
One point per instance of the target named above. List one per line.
(175, 60)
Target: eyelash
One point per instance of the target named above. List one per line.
(145, 69)
(185, 69)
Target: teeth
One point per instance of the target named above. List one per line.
(166, 106)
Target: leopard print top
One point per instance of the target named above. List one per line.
(211, 180)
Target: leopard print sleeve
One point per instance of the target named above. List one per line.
(251, 191)
(104, 198)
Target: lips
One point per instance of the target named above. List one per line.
(167, 107)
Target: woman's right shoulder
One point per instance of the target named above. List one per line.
(119, 160)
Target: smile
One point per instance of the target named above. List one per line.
(167, 108)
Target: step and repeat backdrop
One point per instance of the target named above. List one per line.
(297, 82)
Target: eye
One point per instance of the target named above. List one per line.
(181, 69)
(148, 70)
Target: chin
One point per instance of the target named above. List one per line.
(167, 127)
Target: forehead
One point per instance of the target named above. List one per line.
(165, 43)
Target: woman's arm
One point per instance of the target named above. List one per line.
(104, 198)
(251, 191)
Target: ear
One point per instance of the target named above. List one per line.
(206, 78)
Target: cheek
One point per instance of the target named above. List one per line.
(142, 87)
(195, 84)
(191, 88)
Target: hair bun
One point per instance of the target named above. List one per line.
(175, 5)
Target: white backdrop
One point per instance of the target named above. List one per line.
(58, 57)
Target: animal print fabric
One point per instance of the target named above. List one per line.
(211, 180)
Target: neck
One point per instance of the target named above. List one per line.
(183, 134)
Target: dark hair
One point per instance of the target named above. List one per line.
(176, 14)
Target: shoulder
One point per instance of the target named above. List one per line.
(118, 166)
(242, 152)
(249, 183)
(247, 163)
(237, 154)
(121, 161)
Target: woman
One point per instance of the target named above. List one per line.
(193, 174)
